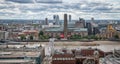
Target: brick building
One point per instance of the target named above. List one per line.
(85, 56)
(63, 57)
(82, 56)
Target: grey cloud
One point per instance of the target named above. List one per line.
(36, 1)
(49, 1)
(21, 1)
(84, 7)
(102, 8)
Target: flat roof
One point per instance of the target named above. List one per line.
(15, 61)
(19, 54)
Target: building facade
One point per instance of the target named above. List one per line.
(4, 35)
(82, 56)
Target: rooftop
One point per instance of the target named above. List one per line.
(70, 29)
(54, 29)
(14, 54)
(15, 61)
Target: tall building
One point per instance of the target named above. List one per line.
(83, 21)
(3, 27)
(96, 30)
(4, 35)
(80, 23)
(92, 19)
(70, 18)
(56, 19)
(89, 27)
(65, 26)
(46, 21)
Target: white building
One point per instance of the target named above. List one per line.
(4, 35)
(50, 25)
(49, 49)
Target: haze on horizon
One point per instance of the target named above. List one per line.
(39, 9)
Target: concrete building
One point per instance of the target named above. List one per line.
(1, 27)
(71, 31)
(4, 35)
(68, 29)
(49, 49)
(96, 30)
(56, 19)
(46, 21)
(28, 33)
(83, 22)
(65, 26)
(70, 18)
(92, 19)
(89, 27)
(79, 24)
(81, 56)
(50, 25)
(113, 58)
(88, 56)
(16, 62)
(21, 54)
(63, 57)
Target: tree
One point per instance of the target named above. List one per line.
(31, 37)
(75, 37)
(41, 33)
(41, 37)
(100, 38)
(22, 37)
(46, 36)
(116, 36)
(58, 37)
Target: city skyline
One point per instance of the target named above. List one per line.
(38, 9)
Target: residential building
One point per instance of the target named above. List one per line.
(63, 57)
(4, 35)
(81, 56)
(89, 27)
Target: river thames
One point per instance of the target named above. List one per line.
(105, 46)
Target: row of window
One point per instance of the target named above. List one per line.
(63, 59)
(70, 34)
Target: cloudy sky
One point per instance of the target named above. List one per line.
(40, 9)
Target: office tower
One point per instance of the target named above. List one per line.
(70, 18)
(92, 19)
(96, 30)
(2, 27)
(4, 35)
(83, 22)
(79, 24)
(65, 26)
(46, 21)
(89, 27)
(56, 19)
